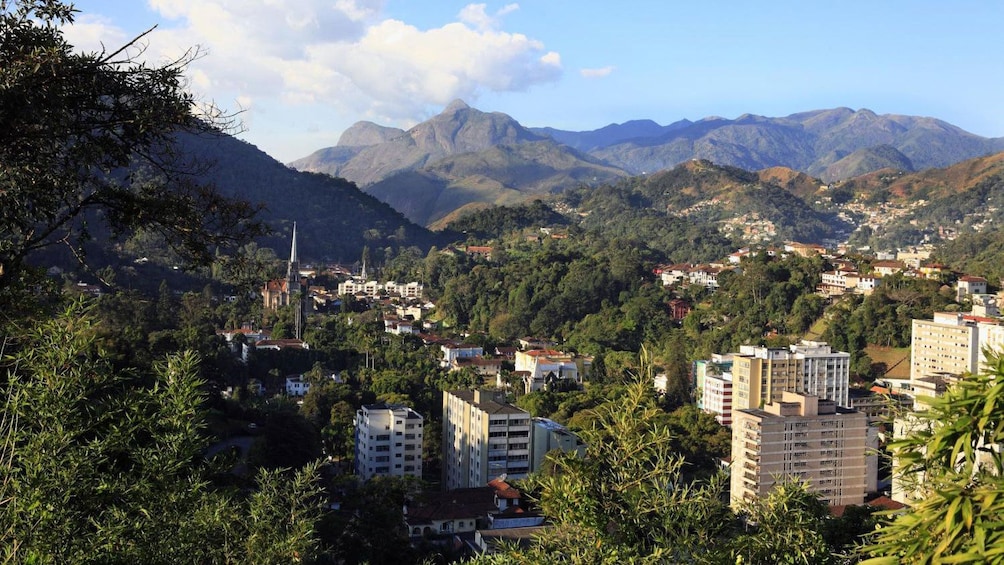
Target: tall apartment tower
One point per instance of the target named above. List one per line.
(483, 438)
(388, 441)
(761, 375)
(806, 438)
(946, 345)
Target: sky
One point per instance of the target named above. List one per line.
(302, 71)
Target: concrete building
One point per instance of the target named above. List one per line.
(825, 373)
(717, 365)
(388, 441)
(761, 374)
(948, 344)
(483, 438)
(806, 438)
(716, 397)
(549, 435)
(968, 284)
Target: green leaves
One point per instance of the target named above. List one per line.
(958, 515)
(103, 465)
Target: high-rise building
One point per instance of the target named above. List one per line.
(716, 396)
(762, 374)
(388, 441)
(952, 344)
(483, 438)
(805, 438)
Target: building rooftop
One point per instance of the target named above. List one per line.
(487, 405)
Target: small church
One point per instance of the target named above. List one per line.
(282, 292)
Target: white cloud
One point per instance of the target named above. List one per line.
(597, 73)
(476, 16)
(95, 33)
(344, 54)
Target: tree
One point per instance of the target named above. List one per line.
(624, 501)
(101, 465)
(87, 146)
(784, 527)
(954, 453)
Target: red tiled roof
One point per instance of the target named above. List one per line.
(503, 489)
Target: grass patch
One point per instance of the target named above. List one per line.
(896, 360)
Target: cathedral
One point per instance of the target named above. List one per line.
(282, 292)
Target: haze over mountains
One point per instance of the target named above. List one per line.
(464, 158)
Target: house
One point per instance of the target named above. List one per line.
(399, 327)
(933, 270)
(678, 308)
(507, 353)
(675, 274)
(526, 343)
(886, 268)
(706, 276)
(296, 385)
(446, 513)
(834, 283)
(479, 252)
(968, 285)
(804, 249)
(484, 366)
(547, 367)
(452, 352)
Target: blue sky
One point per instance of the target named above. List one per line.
(304, 70)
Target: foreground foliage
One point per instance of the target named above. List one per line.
(87, 147)
(103, 465)
(955, 444)
(627, 501)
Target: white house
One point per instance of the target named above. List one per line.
(452, 352)
(297, 386)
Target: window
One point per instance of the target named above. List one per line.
(383, 437)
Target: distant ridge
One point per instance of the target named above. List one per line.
(455, 158)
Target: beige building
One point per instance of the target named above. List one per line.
(805, 438)
(483, 438)
(948, 344)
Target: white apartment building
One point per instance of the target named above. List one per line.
(483, 438)
(825, 373)
(716, 397)
(805, 438)
(388, 441)
(373, 289)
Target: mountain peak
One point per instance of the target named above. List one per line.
(456, 106)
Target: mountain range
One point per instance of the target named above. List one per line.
(464, 158)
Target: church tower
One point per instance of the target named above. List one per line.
(293, 268)
(284, 292)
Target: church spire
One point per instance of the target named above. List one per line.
(293, 269)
